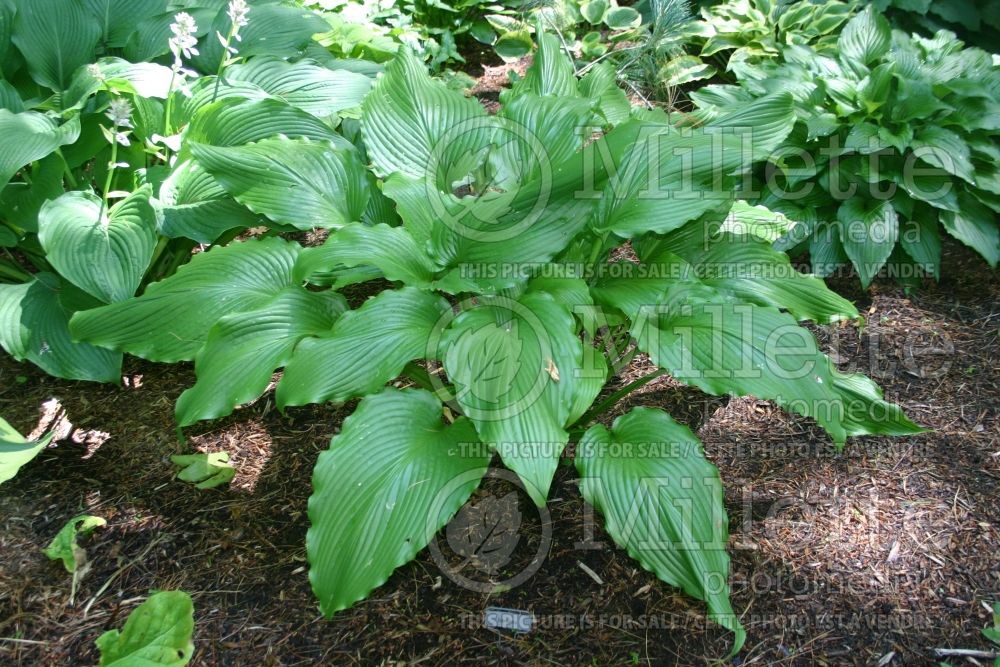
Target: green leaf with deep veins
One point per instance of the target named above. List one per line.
(103, 252)
(418, 126)
(30, 136)
(294, 182)
(391, 479)
(662, 501)
(172, 319)
(519, 375)
(365, 348)
(244, 349)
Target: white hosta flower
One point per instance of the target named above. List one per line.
(95, 71)
(238, 10)
(231, 51)
(120, 112)
(184, 41)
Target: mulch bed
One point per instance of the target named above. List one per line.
(837, 558)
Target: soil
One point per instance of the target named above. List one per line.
(886, 550)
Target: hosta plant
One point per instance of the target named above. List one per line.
(485, 244)
(98, 196)
(745, 31)
(976, 21)
(895, 139)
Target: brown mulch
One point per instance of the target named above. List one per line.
(837, 558)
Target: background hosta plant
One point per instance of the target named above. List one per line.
(494, 235)
(101, 194)
(896, 138)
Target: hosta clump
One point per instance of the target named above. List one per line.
(729, 34)
(495, 233)
(99, 193)
(896, 137)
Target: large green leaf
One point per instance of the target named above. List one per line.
(662, 501)
(30, 136)
(118, 18)
(869, 229)
(104, 253)
(301, 183)
(122, 77)
(975, 225)
(662, 178)
(751, 270)
(235, 121)
(157, 634)
(55, 37)
(16, 451)
(193, 205)
(244, 349)
(551, 72)
(21, 201)
(171, 320)
(390, 249)
(418, 126)
(723, 346)
(387, 332)
(537, 134)
(317, 90)
(945, 149)
(865, 38)
(34, 326)
(391, 479)
(519, 375)
(151, 35)
(274, 29)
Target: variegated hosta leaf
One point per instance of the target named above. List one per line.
(662, 501)
(171, 320)
(519, 375)
(391, 479)
(244, 349)
(104, 252)
(365, 349)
